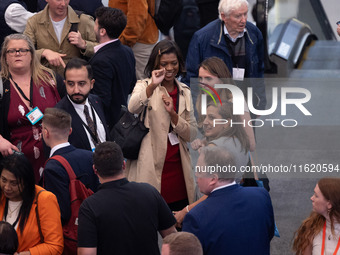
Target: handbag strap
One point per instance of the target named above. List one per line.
(38, 219)
(143, 113)
(66, 165)
(144, 110)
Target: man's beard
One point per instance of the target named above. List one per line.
(81, 100)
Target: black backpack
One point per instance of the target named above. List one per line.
(166, 14)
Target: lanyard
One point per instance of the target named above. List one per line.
(323, 242)
(22, 93)
(93, 135)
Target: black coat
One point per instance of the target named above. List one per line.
(78, 137)
(115, 77)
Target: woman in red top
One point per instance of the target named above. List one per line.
(164, 159)
(29, 88)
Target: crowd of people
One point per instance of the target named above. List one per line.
(66, 74)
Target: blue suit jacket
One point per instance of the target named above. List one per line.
(233, 220)
(115, 77)
(78, 137)
(57, 181)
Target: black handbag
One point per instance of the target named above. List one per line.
(129, 132)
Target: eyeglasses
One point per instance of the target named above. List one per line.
(13, 52)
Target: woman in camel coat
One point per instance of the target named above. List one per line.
(164, 160)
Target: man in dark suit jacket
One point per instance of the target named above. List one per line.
(56, 127)
(113, 63)
(233, 219)
(79, 82)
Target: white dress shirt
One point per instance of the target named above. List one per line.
(57, 147)
(100, 127)
(224, 186)
(233, 39)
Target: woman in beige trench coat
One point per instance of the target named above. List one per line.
(164, 160)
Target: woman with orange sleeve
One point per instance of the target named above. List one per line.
(32, 211)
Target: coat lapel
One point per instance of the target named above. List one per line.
(49, 26)
(77, 124)
(66, 30)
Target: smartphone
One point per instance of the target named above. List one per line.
(338, 23)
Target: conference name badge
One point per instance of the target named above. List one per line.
(35, 115)
(238, 74)
(173, 138)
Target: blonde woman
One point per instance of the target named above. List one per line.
(28, 89)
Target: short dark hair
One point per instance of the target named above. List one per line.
(8, 238)
(58, 119)
(78, 63)
(164, 47)
(183, 243)
(112, 20)
(108, 159)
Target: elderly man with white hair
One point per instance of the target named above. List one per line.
(236, 41)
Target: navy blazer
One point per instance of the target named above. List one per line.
(115, 77)
(78, 137)
(56, 179)
(233, 220)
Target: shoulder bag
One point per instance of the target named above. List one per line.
(129, 132)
